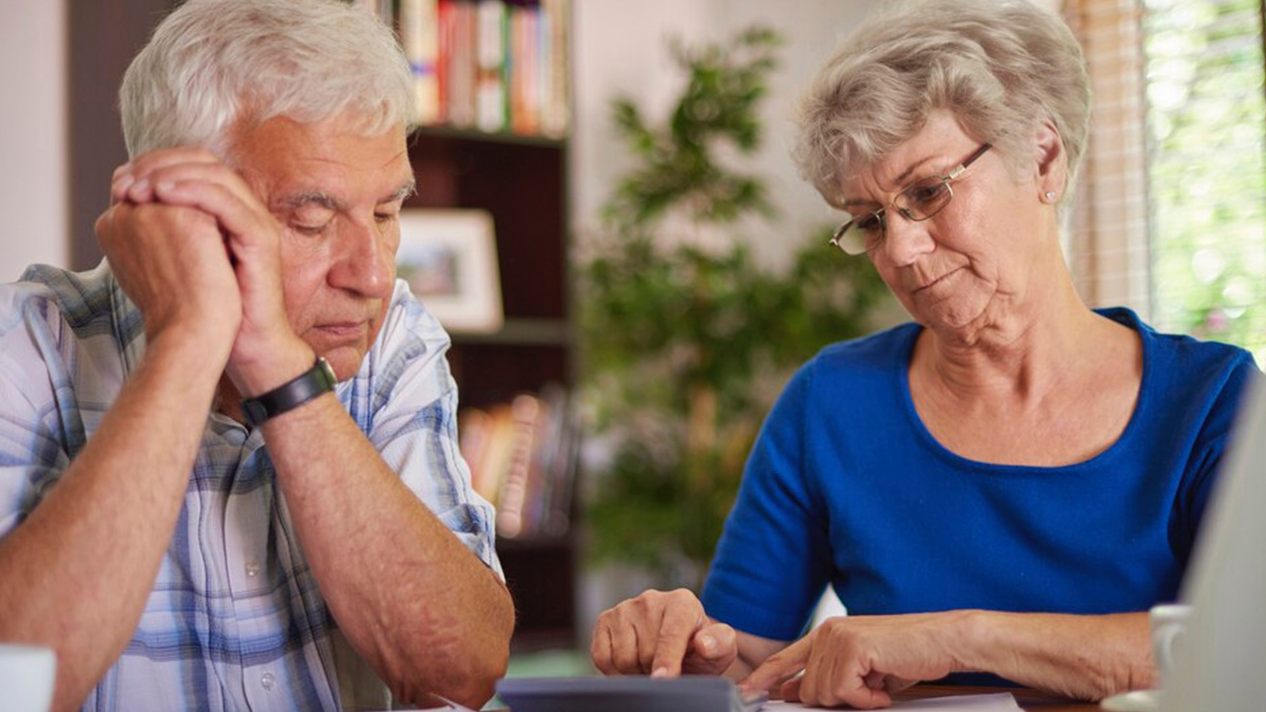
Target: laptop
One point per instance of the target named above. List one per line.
(1222, 661)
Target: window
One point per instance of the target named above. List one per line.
(1206, 126)
(1170, 213)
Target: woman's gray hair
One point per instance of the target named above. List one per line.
(1000, 66)
(213, 63)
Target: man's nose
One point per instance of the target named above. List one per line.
(365, 263)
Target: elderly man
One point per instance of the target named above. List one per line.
(228, 470)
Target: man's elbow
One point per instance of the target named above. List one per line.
(487, 661)
(465, 665)
(468, 677)
(477, 684)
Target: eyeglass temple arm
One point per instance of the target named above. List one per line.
(970, 159)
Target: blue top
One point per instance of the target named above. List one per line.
(845, 485)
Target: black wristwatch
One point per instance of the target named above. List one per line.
(290, 395)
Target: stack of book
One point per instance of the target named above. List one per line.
(490, 65)
(522, 458)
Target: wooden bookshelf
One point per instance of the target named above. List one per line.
(521, 180)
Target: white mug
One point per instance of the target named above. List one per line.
(27, 678)
(1169, 623)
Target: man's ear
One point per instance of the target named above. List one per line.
(1052, 162)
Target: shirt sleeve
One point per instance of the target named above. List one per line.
(32, 454)
(415, 429)
(773, 560)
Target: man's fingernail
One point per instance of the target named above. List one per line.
(709, 643)
(141, 185)
(164, 185)
(660, 672)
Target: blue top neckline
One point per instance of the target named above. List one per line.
(1122, 315)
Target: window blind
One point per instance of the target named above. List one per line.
(1109, 245)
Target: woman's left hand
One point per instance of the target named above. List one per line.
(861, 660)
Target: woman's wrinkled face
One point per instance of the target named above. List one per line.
(975, 256)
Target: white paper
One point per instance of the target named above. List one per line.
(997, 702)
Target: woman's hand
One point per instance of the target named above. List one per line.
(664, 634)
(861, 660)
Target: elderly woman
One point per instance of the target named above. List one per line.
(1007, 484)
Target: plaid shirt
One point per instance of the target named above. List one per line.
(235, 620)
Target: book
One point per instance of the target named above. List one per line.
(527, 414)
(419, 35)
(522, 459)
(524, 69)
(491, 64)
(466, 66)
(555, 79)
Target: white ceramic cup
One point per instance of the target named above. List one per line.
(27, 677)
(1169, 624)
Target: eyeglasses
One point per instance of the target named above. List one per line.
(918, 201)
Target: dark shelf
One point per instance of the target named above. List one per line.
(523, 332)
(522, 182)
(542, 580)
(535, 543)
(505, 137)
(534, 641)
(488, 374)
(523, 186)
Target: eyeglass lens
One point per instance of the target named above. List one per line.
(919, 201)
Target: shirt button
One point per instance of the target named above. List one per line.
(252, 568)
(267, 680)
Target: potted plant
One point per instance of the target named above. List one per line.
(686, 341)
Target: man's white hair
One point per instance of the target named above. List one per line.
(213, 65)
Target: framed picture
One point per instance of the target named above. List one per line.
(449, 259)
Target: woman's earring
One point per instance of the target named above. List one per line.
(1050, 196)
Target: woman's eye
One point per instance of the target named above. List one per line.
(871, 223)
(926, 194)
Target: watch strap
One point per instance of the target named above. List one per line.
(290, 395)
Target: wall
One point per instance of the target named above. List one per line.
(621, 49)
(33, 197)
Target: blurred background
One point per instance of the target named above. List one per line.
(658, 269)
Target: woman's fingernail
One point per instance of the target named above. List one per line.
(709, 643)
(660, 672)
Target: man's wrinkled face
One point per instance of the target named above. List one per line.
(336, 194)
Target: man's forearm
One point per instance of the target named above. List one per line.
(1078, 656)
(424, 611)
(76, 574)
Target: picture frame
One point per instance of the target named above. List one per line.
(449, 259)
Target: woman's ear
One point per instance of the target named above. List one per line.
(1052, 163)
